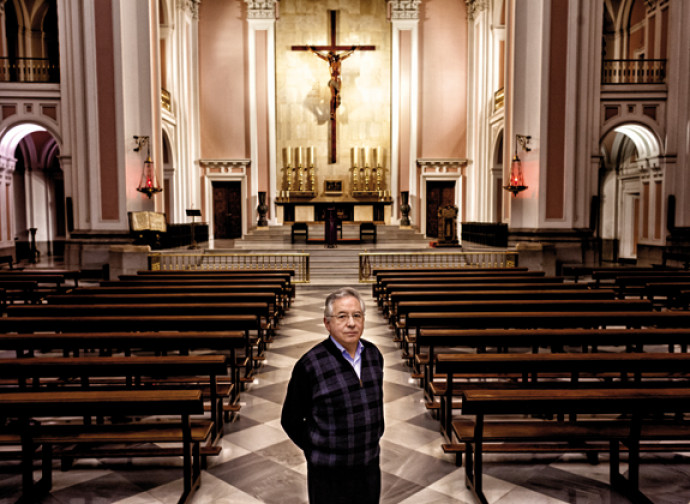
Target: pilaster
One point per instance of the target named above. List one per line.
(261, 18)
(404, 17)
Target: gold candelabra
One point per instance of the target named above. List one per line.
(300, 177)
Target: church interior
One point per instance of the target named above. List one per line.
(470, 166)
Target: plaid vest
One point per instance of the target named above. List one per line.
(346, 419)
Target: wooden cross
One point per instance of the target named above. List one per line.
(334, 55)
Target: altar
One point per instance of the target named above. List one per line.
(347, 209)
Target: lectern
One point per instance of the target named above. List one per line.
(331, 227)
(193, 213)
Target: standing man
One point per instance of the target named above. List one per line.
(334, 407)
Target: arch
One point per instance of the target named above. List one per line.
(646, 143)
(628, 150)
(497, 163)
(36, 194)
(168, 171)
(13, 131)
(644, 126)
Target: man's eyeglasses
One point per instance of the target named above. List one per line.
(343, 317)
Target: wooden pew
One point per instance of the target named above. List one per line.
(27, 406)
(47, 283)
(7, 259)
(132, 343)
(144, 323)
(69, 274)
(667, 294)
(261, 310)
(25, 291)
(547, 320)
(248, 275)
(475, 283)
(564, 291)
(684, 299)
(636, 403)
(189, 290)
(457, 277)
(286, 271)
(575, 271)
(387, 275)
(197, 298)
(610, 275)
(529, 369)
(93, 309)
(557, 340)
(636, 285)
(282, 288)
(514, 305)
(122, 372)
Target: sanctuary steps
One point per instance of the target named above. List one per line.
(328, 266)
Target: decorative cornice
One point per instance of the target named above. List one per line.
(475, 6)
(441, 165)
(7, 164)
(224, 165)
(404, 9)
(261, 9)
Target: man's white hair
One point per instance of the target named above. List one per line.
(341, 293)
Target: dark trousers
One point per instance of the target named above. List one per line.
(346, 485)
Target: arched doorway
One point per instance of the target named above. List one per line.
(497, 180)
(630, 191)
(168, 178)
(34, 194)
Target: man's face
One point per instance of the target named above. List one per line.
(347, 329)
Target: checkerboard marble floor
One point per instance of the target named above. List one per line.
(259, 464)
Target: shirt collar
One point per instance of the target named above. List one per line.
(345, 353)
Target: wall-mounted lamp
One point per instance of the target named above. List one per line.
(147, 183)
(516, 184)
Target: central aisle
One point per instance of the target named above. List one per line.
(260, 464)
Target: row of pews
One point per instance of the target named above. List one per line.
(511, 360)
(150, 365)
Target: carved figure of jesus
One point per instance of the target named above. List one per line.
(334, 60)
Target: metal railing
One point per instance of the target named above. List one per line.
(371, 261)
(28, 70)
(633, 71)
(299, 262)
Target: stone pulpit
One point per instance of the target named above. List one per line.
(447, 226)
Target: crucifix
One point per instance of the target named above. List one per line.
(334, 55)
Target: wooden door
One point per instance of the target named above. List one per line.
(227, 210)
(438, 195)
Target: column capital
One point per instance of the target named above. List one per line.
(474, 7)
(404, 9)
(191, 5)
(261, 9)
